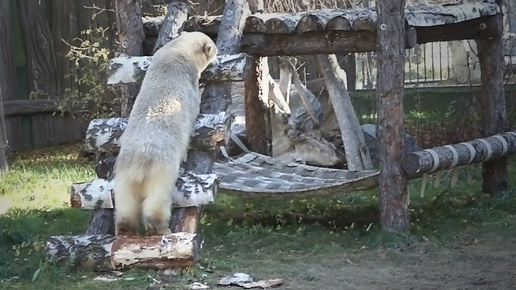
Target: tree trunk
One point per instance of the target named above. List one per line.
(177, 13)
(130, 29)
(494, 116)
(357, 154)
(216, 98)
(394, 215)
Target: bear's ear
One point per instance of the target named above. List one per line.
(209, 50)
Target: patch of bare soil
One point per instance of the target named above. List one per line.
(472, 264)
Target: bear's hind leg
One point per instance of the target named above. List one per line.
(157, 202)
(127, 207)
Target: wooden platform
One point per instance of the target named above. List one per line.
(344, 30)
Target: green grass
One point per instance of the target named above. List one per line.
(264, 238)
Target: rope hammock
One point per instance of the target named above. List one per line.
(253, 175)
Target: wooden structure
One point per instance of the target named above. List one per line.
(342, 31)
(34, 38)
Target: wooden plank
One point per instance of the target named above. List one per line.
(39, 48)
(29, 107)
(8, 80)
(494, 116)
(393, 182)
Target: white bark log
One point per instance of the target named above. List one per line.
(131, 69)
(108, 252)
(356, 150)
(192, 190)
(177, 14)
(103, 135)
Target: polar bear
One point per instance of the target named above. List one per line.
(158, 132)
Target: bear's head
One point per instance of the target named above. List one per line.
(194, 47)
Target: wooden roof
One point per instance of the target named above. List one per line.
(347, 30)
(418, 15)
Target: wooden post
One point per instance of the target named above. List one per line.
(393, 183)
(7, 78)
(216, 98)
(494, 116)
(257, 118)
(130, 29)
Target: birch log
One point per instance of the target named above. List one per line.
(356, 150)
(211, 130)
(177, 14)
(450, 156)
(108, 252)
(131, 69)
(191, 190)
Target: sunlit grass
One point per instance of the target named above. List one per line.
(41, 179)
(260, 236)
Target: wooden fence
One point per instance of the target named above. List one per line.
(34, 42)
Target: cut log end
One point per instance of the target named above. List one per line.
(108, 252)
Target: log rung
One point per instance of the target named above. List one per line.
(193, 190)
(417, 163)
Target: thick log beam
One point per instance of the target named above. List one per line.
(350, 41)
(109, 252)
(418, 15)
(393, 182)
(131, 69)
(192, 190)
(480, 28)
(417, 163)
(494, 116)
(211, 131)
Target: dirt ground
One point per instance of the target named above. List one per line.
(475, 264)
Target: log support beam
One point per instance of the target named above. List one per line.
(494, 116)
(488, 149)
(132, 69)
(211, 131)
(192, 190)
(393, 182)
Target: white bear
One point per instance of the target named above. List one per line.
(158, 132)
